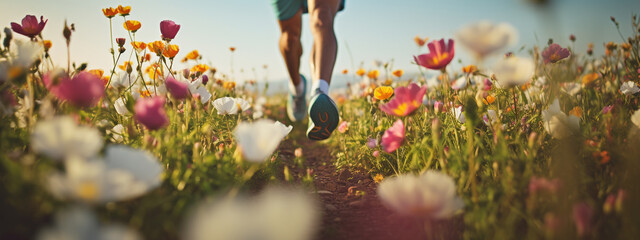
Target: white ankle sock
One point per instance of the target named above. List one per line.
(297, 90)
(322, 85)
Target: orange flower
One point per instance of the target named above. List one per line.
(589, 78)
(154, 71)
(156, 47)
(420, 41)
(109, 12)
(345, 71)
(398, 73)
(193, 55)
(388, 82)
(232, 49)
(469, 69)
(576, 111)
(171, 51)
(105, 80)
(229, 85)
(488, 100)
(144, 93)
(145, 58)
(47, 45)
(132, 25)
(378, 178)
(123, 67)
(139, 46)
(97, 72)
(373, 74)
(604, 157)
(361, 72)
(201, 68)
(383, 93)
(124, 11)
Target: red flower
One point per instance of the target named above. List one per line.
(83, 90)
(30, 26)
(439, 56)
(393, 137)
(150, 113)
(405, 101)
(554, 53)
(169, 29)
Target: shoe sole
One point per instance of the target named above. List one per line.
(323, 116)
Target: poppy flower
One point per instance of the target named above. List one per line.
(439, 56)
(469, 69)
(398, 73)
(124, 11)
(200, 68)
(258, 139)
(30, 26)
(109, 12)
(343, 127)
(139, 46)
(420, 41)
(393, 137)
(171, 51)
(193, 55)
(557, 123)
(361, 72)
(383, 93)
(406, 100)
(132, 25)
(373, 74)
(82, 90)
(179, 90)
(150, 113)
(47, 45)
(555, 53)
(156, 47)
(169, 29)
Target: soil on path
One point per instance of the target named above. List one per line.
(351, 209)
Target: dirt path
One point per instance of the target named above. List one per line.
(347, 213)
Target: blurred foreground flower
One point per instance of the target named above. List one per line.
(629, 88)
(393, 137)
(285, 130)
(513, 71)
(82, 90)
(554, 53)
(150, 113)
(169, 29)
(197, 88)
(431, 195)
(484, 38)
(123, 174)
(582, 216)
(61, 138)
(439, 57)
(178, 89)
(30, 26)
(258, 139)
(557, 123)
(635, 118)
(275, 214)
(79, 223)
(406, 100)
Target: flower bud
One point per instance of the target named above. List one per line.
(572, 38)
(7, 39)
(120, 41)
(205, 79)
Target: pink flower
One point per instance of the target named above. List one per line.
(343, 127)
(393, 137)
(372, 142)
(438, 106)
(178, 90)
(405, 101)
(554, 53)
(582, 215)
(439, 56)
(169, 29)
(607, 109)
(30, 26)
(376, 153)
(487, 84)
(150, 113)
(83, 90)
(537, 184)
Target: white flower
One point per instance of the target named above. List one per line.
(432, 82)
(635, 118)
(458, 114)
(284, 128)
(629, 88)
(61, 138)
(196, 87)
(484, 37)
(243, 105)
(259, 139)
(225, 105)
(27, 53)
(79, 223)
(257, 114)
(275, 214)
(571, 88)
(124, 173)
(513, 71)
(116, 133)
(557, 123)
(490, 118)
(459, 83)
(121, 107)
(123, 80)
(431, 195)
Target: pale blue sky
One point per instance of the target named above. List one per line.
(372, 29)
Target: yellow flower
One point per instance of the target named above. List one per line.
(345, 71)
(589, 78)
(124, 11)
(229, 85)
(469, 69)
(361, 72)
(47, 45)
(200, 68)
(154, 71)
(373, 74)
(171, 51)
(489, 100)
(156, 47)
(383, 93)
(123, 67)
(420, 41)
(576, 111)
(109, 12)
(97, 72)
(132, 25)
(398, 73)
(193, 55)
(139, 46)
(388, 82)
(378, 178)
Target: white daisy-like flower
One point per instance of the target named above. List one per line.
(243, 105)
(123, 174)
(275, 214)
(484, 38)
(79, 223)
(61, 138)
(258, 139)
(513, 71)
(557, 123)
(225, 105)
(629, 88)
(197, 88)
(27, 53)
(430, 195)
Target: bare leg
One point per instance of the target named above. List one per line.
(290, 45)
(325, 45)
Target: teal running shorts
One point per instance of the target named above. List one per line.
(285, 9)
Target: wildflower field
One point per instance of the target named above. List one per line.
(542, 143)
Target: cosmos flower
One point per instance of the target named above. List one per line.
(150, 113)
(406, 100)
(393, 137)
(62, 138)
(484, 38)
(554, 53)
(343, 127)
(557, 123)
(439, 56)
(30, 26)
(82, 90)
(258, 139)
(178, 89)
(80, 223)
(431, 195)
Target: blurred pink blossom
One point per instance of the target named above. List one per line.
(150, 113)
(82, 90)
(405, 101)
(30, 26)
(537, 184)
(372, 142)
(393, 137)
(178, 90)
(343, 127)
(582, 216)
(555, 53)
(607, 109)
